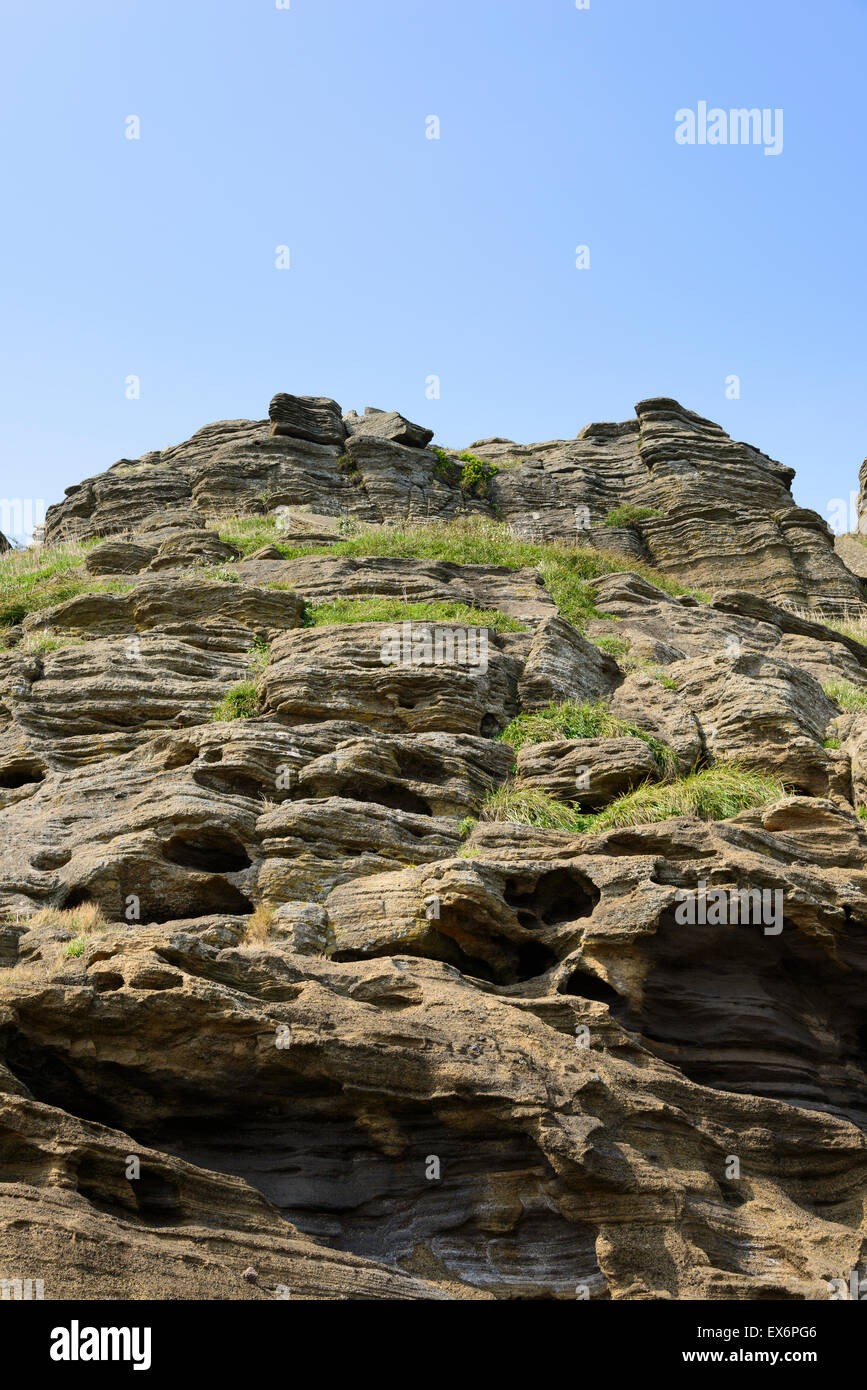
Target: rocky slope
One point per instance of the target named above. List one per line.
(351, 797)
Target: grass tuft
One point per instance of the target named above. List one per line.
(259, 923)
(716, 793)
(240, 702)
(713, 794)
(631, 515)
(846, 695)
(527, 806)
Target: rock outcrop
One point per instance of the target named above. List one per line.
(481, 925)
(668, 489)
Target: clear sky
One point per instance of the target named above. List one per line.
(412, 257)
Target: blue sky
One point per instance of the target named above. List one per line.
(411, 257)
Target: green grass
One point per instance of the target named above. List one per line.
(571, 720)
(240, 702)
(713, 794)
(259, 655)
(385, 610)
(614, 646)
(40, 578)
(566, 569)
(846, 695)
(630, 515)
(75, 948)
(527, 806)
(37, 643)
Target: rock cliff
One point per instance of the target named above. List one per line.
(433, 874)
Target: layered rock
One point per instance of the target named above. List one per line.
(267, 928)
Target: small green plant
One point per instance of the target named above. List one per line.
(476, 475)
(446, 468)
(567, 570)
(659, 675)
(259, 654)
(240, 702)
(350, 470)
(846, 695)
(630, 515)
(471, 474)
(39, 643)
(467, 826)
(75, 948)
(831, 743)
(715, 793)
(12, 614)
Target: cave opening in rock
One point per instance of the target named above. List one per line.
(561, 896)
(392, 796)
(582, 985)
(230, 781)
(207, 849)
(21, 774)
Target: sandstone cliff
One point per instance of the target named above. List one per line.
(381, 827)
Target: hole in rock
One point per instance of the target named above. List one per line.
(21, 774)
(490, 726)
(212, 755)
(557, 897)
(214, 895)
(414, 765)
(78, 897)
(493, 1219)
(52, 1081)
(213, 851)
(770, 1015)
(103, 981)
(104, 1184)
(403, 703)
(228, 782)
(156, 1196)
(582, 985)
(533, 960)
(395, 797)
(181, 757)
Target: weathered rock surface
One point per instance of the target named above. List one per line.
(360, 1036)
(589, 772)
(386, 424)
